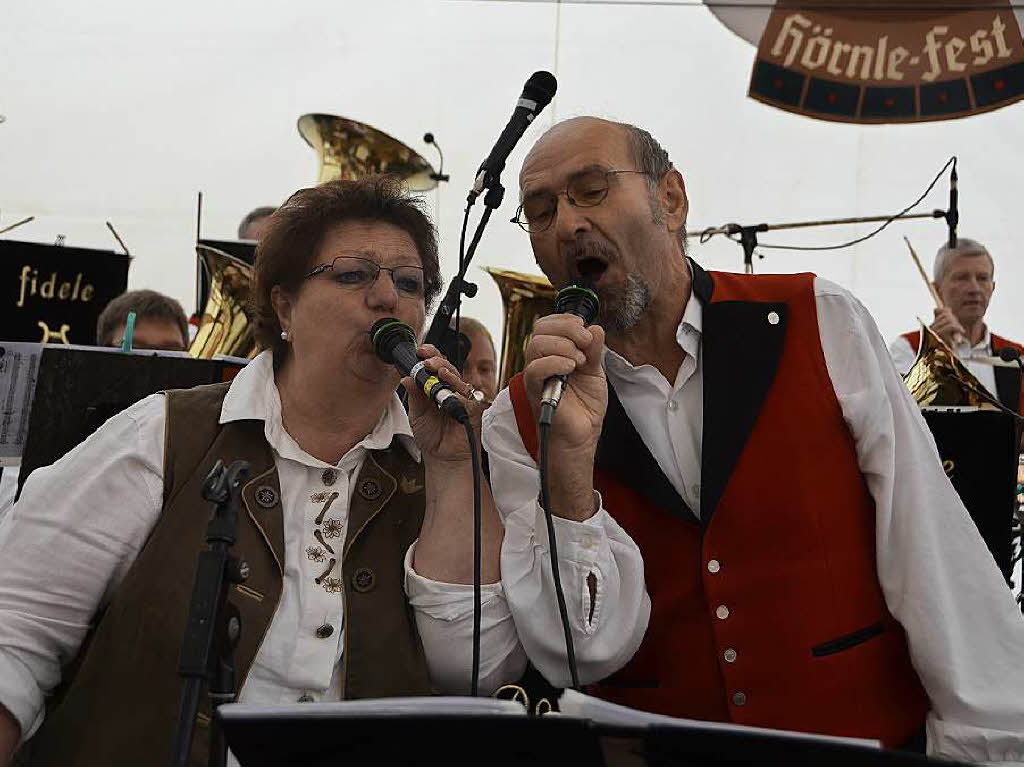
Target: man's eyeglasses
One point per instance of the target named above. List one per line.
(357, 273)
(584, 190)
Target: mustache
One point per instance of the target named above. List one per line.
(590, 249)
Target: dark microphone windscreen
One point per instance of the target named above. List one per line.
(1008, 354)
(579, 300)
(386, 333)
(540, 88)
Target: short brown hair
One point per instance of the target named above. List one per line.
(289, 249)
(148, 305)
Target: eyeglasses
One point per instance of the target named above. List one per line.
(584, 190)
(355, 273)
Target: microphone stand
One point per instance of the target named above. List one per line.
(459, 287)
(214, 625)
(748, 233)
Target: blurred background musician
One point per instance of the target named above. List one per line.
(964, 278)
(160, 322)
(254, 224)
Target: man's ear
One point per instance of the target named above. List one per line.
(674, 204)
(283, 304)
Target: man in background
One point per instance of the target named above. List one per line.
(160, 322)
(253, 224)
(480, 369)
(964, 279)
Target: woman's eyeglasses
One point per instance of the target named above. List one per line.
(357, 273)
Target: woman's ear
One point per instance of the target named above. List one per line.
(283, 304)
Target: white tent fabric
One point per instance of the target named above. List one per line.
(123, 111)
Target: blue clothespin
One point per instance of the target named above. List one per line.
(129, 329)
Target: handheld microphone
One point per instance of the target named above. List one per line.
(394, 342)
(583, 302)
(953, 214)
(537, 94)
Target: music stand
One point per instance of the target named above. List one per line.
(79, 387)
(420, 730)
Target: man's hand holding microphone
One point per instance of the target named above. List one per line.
(563, 344)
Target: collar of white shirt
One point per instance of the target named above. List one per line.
(688, 335)
(983, 346)
(253, 396)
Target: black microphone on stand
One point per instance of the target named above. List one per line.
(394, 342)
(583, 302)
(537, 94)
(1009, 354)
(953, 214)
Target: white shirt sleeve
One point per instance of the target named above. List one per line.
(444, 618)
(964, 630)
(67, 545)
(903, 355)
(608, 629)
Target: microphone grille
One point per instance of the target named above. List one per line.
(541, 88)
(579, 300)
(387, 332)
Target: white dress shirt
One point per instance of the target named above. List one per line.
(965, 632)
(903, 356)
(81, 522)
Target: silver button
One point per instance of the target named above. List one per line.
(722, 612)
(739, 698)
(714, 566)
(773, 318)
(672, 405)
(730, 655)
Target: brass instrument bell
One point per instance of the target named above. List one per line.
(349, 149)
(524, 297)
(939, 378)
(225, 327)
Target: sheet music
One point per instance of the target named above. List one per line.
(19, 365)
(440, 705)
(577, 704)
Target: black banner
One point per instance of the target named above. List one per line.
(54, 294)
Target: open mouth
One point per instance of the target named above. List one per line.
(590, 268)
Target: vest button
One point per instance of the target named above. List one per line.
(714, 566)
(739, 698)
(266, 497)
(325, 631)
(722, 612)
(369, 489)
(306, 698)
(773, 318)
(363, 579)
(329, 477)
(730, 655)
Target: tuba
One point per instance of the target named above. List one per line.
(939, 378)
(346, 149)
(524, 297)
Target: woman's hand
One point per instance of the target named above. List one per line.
(439, 436)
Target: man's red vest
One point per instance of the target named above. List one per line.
(768, 610)
(1009, 382)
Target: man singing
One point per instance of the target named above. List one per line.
(964, 278)
(809, 565)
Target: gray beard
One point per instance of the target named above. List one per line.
(622, 309)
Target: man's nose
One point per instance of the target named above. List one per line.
(572, 220)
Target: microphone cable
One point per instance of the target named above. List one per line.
(474, 686)
(545, 502)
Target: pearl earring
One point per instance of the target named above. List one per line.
(284, 335)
